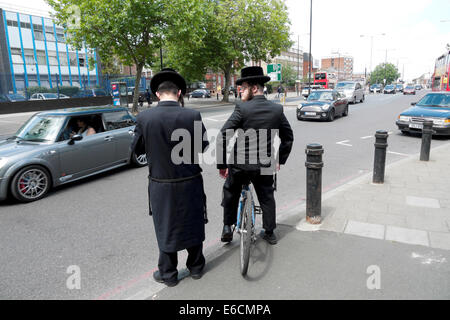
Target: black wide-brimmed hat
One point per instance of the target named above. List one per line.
(168, 74)
(252, 74)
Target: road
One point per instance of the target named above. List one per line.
(101, 224)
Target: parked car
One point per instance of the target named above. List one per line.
(48, 96)
(409, 90)
(12, 97)
(418, 87)
(390, 89)
(200, 93)
(44, 154)
(376, 88)
(433, 106)
(352, 90)
(323, 105)
(399, 87)
(90, 93)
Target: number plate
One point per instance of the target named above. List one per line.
(416, 126)
(310, 113)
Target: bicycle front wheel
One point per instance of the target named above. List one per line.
(246, 233)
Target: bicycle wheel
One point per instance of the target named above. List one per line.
(246, 233)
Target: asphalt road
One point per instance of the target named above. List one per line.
(101, 226)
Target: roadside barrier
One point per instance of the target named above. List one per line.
(314, 165)
(427, 133)
(380, 156)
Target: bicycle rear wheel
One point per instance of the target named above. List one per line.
(246, 233)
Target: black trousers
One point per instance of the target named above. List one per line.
(264, 189)
(168, 262)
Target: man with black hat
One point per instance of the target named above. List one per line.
(176, 197)
(266, 119)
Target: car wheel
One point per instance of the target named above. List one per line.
(331, 115)
(345, 111)
(299, 117)
(30, 184)
(139, 160)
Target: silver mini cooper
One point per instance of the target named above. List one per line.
(61, 146)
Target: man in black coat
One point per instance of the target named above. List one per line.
(176, 197)
(253, 158)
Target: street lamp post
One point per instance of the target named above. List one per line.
(371, 45)
(310, 42)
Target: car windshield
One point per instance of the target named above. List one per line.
(320, 95)
(435, 100)
(345, 85)
(399, 86)
(50, 95)
(390, 87)
(409, 87)
(16, 97)
(40, 128)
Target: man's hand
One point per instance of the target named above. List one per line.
(223, 173)
(278, 167)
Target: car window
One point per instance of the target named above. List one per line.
(434, 99)
(118, 120)
(41, 128)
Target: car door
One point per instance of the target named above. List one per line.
(91, 154)
(339, 102)
(120, 124)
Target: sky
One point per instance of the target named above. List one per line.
(414, 34)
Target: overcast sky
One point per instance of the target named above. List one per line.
(414, 34)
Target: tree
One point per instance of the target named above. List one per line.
(384, 71)
(288, 74)
(233, 31)
(131, 30)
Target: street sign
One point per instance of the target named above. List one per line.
(274, 72)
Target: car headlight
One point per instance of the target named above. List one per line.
(404, 118)
(325, 107)
(441, 121)
(299, 106)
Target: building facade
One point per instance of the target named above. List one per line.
(34, 52)
(341, 65)
(294, 58)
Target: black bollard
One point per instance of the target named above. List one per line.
(314, 167)
(427, 133)
(380, 156)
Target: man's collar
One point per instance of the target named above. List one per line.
(259, 97)
(169, 103)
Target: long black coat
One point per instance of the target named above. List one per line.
(177, 200)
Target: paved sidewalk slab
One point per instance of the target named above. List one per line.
(368, 230)
(409, 236)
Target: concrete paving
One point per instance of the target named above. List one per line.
(389, 241)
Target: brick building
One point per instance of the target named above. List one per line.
(341, 65)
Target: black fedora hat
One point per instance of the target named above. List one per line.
(252, 74)
(168, 74)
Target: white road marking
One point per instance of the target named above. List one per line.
(344, 143)
(367, 137)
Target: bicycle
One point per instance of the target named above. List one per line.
(245, 225)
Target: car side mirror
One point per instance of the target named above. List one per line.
(76, 137)
(413, 103)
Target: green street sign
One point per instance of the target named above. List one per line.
(274, 72)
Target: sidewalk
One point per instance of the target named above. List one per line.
(401, 228)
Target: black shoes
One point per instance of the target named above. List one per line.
(270, 237)
(157, 277)
(197, 276)
(227, 234)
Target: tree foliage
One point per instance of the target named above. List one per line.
(384, 71)
(232, 32)
(131, 30)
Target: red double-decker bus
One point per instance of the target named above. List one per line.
(440, 81)
(325, 79)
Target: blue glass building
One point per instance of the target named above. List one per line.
(34, 52)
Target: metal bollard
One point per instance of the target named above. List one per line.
(314, 167)
(427, 133)
(380, 156)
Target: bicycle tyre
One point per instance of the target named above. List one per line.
(246, 233)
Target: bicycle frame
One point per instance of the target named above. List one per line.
(245, 188)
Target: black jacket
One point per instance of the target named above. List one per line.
(267, 120)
